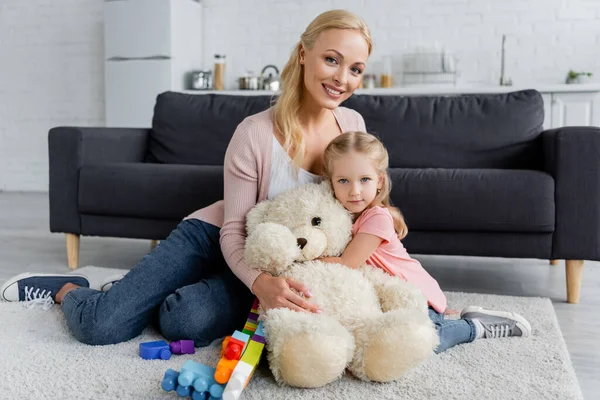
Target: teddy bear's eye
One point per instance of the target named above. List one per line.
(316, 221)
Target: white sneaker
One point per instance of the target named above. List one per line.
(494, 324)
(110, 281)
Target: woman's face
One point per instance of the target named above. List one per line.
(334, 66)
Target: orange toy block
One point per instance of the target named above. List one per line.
(224, 370)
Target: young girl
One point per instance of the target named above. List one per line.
(356, 165)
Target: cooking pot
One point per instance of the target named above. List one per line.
(271, 82)
(250, 82)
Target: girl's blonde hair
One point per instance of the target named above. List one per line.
(287, 107)
(371, 147)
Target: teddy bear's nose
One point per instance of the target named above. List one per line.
(301, 242)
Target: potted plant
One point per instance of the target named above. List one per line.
(578, 77)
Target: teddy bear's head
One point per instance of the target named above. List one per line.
(299, 225)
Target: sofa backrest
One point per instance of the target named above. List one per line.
(196, 129)
(468, 131)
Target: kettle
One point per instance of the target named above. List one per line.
(270, 82)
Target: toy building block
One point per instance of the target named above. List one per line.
(195, 380)
(232, 349)
(182, 347)
(155, 350)
(246, 366)
(169, 381)
(224, 370)
(252, 321)
(200, 377)
(233, 346)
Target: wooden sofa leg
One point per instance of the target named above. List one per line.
(574, 269)
(73, 250)
(553, 262)
(153, 244)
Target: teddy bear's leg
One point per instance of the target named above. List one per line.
(305, 349)
(393, 292)
(389, 345)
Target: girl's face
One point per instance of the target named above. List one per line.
(333, 67)
(355, 181)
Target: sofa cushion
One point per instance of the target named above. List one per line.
(148, 190)
(470, 131)
(484, 200)
(196, 129)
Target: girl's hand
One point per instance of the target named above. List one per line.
(275, 292)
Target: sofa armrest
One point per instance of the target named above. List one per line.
(572, 156)
(71, 147)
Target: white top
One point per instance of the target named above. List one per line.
(283, 174)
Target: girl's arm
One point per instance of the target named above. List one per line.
(358, 250)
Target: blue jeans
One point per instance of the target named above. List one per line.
(184, 287)
(451, 332)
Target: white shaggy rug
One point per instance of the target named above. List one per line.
(39, 359)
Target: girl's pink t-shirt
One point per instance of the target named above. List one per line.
(392, 257)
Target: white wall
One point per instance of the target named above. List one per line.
(51, 61)
(51, 73)
(544, 37)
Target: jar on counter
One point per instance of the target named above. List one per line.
(219, 78)
(369, 81)
(386, 75)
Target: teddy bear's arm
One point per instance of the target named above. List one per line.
(393, 292)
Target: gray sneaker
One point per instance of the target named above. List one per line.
(498, 323)
(110, 281)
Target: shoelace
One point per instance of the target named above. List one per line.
(37, 297)
(497, 331)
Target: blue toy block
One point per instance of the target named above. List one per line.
(155, 350)
(199, 396)
(184, 391)
(195, 380)
(169, 382)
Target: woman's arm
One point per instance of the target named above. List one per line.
(358, 250)
(240, 195)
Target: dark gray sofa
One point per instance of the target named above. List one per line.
(474, 175)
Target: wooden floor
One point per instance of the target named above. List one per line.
(27, 245)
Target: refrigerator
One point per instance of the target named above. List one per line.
(150, 46)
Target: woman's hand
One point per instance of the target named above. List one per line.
(275, 292)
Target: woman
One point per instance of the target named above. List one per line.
(184, 285)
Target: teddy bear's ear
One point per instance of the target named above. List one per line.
(326, 185)
(256, 216)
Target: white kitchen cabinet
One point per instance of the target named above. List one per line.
(575, 109)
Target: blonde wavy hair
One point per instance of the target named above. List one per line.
(287, 107)
(368, 145)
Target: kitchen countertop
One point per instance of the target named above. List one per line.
(433, 89)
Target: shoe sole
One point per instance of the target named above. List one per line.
(522, 323)
(24, 275)
(113, 279)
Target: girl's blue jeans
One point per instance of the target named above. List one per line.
(451, 332)
(183, 287)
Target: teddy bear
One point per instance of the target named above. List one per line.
(372, 324)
